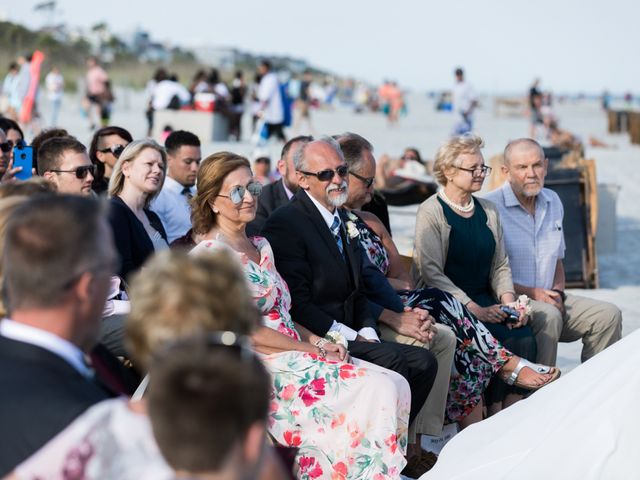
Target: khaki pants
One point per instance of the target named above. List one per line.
(430, 419)
(598, 324)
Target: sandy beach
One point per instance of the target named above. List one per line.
(425, 129)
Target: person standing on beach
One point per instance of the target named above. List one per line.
(271, 105)
(98, 93)
(464, 104)
(54, 82)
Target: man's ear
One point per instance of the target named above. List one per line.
(282, 166)
(84, 286)
(303, 182)
(254, 443)
(546, 166)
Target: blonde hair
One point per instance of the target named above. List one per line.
(211, 174)
(7, 206)
(129, 154)
(177, 295)
(449, 152)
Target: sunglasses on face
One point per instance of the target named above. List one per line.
(327, 175)
(81, 172)
(115, 150)
(368, 181)
(236, 194)
(6, 146)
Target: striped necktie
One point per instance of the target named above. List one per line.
(335, 230)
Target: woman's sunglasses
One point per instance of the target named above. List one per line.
(116, 150)
(327, 175)
(81, 172)
(236, 194)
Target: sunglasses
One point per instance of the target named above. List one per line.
(115, 150)
(6, 146)
(81, 172)
(367, 181)
(327, 175)
(236, 194)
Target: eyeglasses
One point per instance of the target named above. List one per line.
(327, 175)
(478, 171)
(81, 172)
(367, 181)
(115, 150)
(6, 146)
(236, 194)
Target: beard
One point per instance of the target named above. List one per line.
(337, 200)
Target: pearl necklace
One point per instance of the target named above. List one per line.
(456, 206)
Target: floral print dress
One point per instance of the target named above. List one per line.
(478, 354)
(348, 420)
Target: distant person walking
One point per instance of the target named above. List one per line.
(99, 95)
(271, 105)
(464, 104)
(54, 81)
(535, 106)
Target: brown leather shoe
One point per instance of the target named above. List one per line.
(418, 465)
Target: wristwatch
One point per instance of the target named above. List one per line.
(560, 292)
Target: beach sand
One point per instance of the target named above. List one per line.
(425, 129)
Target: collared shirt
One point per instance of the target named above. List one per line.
(534, 244)
(47, 340)
(288, 192)
(172, 206)
(349, 333)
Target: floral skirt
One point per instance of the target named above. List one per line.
(478, 354)
(349, 421)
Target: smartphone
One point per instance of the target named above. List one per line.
(23, 157)
(513, 317)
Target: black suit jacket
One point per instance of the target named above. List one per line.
(272, 197)
(40, 394)
(131, 239)
(324, 287)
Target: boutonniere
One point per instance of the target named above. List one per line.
(336, 337)
(352, 230)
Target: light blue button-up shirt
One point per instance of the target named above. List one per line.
(172, 206)
(534, 243)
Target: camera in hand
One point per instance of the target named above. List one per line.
(513, 315)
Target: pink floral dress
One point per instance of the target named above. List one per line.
(349, 420)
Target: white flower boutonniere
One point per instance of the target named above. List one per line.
(352, 230)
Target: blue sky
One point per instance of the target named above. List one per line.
(572, 45)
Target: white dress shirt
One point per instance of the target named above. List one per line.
(47, 340)
(172, 206)
(348, 333)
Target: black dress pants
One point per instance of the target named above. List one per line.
(418, 365)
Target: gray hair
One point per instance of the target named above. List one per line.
(299, 160)
(528, 143)
(353, 147)
(448, 154)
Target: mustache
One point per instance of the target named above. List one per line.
(333, 186)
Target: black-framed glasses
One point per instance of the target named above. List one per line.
(478, 171)
(81, 172)
(327, 175)
(236, 194)
(368, 181)
(6, 146)
(116, 150)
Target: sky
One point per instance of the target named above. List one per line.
(572, 45)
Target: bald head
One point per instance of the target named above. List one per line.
(525, 168)
(519, 147)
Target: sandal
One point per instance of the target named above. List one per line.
(512, 379)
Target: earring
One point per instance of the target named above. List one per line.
(215, 210)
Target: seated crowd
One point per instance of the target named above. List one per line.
(200, 325)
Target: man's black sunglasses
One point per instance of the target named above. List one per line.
(327, 175)
(116, 150)
(81, 172)
(367, 181)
